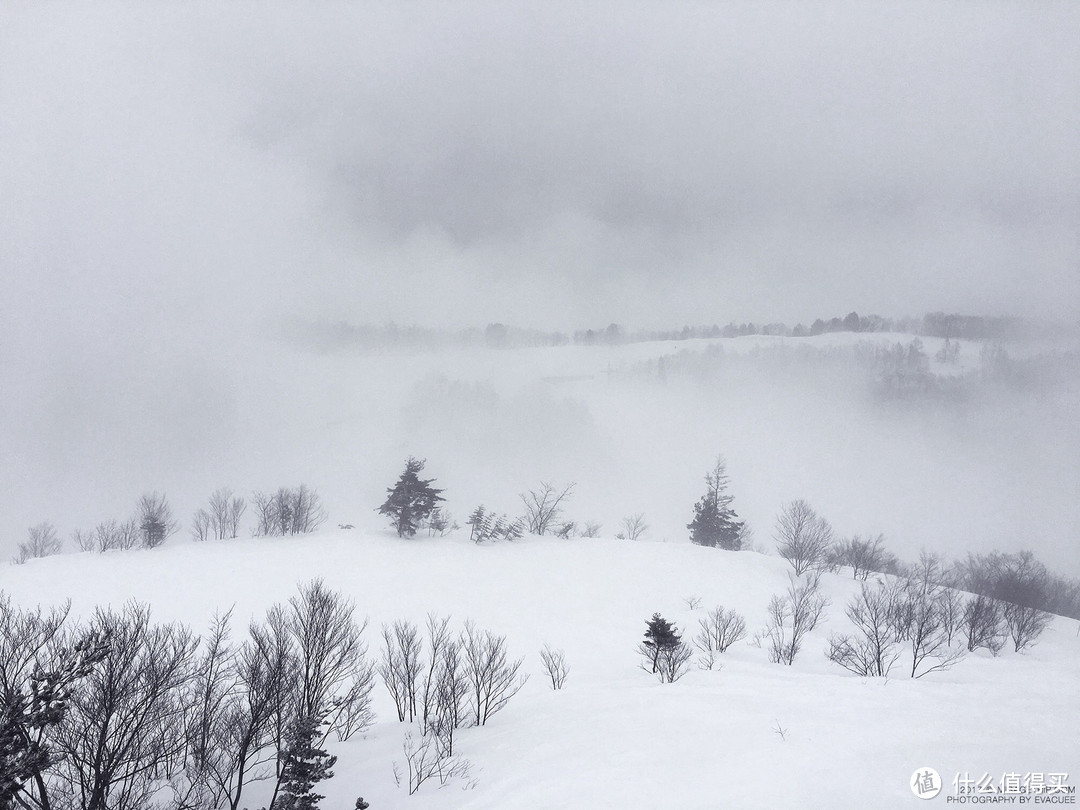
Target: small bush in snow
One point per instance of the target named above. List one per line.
(544, 506)
(719, 630)
(41, 541)
(634, 526)
(555, 666)
(792, 616)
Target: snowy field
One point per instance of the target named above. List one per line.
(614, 736)
(982, 466)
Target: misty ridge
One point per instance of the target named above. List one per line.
(921, 436)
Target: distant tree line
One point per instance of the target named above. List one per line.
(343, 336)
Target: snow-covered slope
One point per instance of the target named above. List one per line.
(615, 737)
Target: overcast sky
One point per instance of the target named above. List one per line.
(179, 169)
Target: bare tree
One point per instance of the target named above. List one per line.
(41, 541)
(803, 537)
(634, 526)
(201, 523)
(591, 529)
(124, 735)
(401, 666)
(452, 688)
(335, 677)
(84, 540)
(1025, 624)
(287, 511)
(429, 759)
(226, 510)
(864, 556)
(444, 687)
(110, 535)
(719, 630)
(874, 647)
(792, 616)
(555, 666)
(492, 677)
(984, 624)
(927, 615)
(544, 506)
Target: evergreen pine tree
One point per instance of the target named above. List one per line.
(660, 638)
(715, 522)
(305, 766)
(411, 499)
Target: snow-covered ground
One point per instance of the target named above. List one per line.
(615, 737)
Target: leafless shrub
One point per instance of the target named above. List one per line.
(155, 519)
(200, 525)
(929, 615)
(336, 678)
(792, 616)
(287, 511)
(543, 506)
(634, 526)
(84, 540)
(951, 604)
(803, 537)
(41, 541)
(983, 623)
(692, 602)
(591, 529)
(451, 694)
(874, 647)
(864, 556)
(492, 677)
(1025, 624)
(124, 735)
(719, 630)
(428, 759)
(555, 666)
(110, 535)
(401, 665)
(226, 510)
(439, 643)
(566, 529)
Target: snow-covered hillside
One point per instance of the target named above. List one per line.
(752, 734)
(636, 426)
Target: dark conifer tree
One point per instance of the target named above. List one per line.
(305, 766)
(660, 637)
(411, 499)
(715, 522)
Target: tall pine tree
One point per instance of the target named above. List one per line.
(411, 500)
(715, 522)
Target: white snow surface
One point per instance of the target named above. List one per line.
(615, 737)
